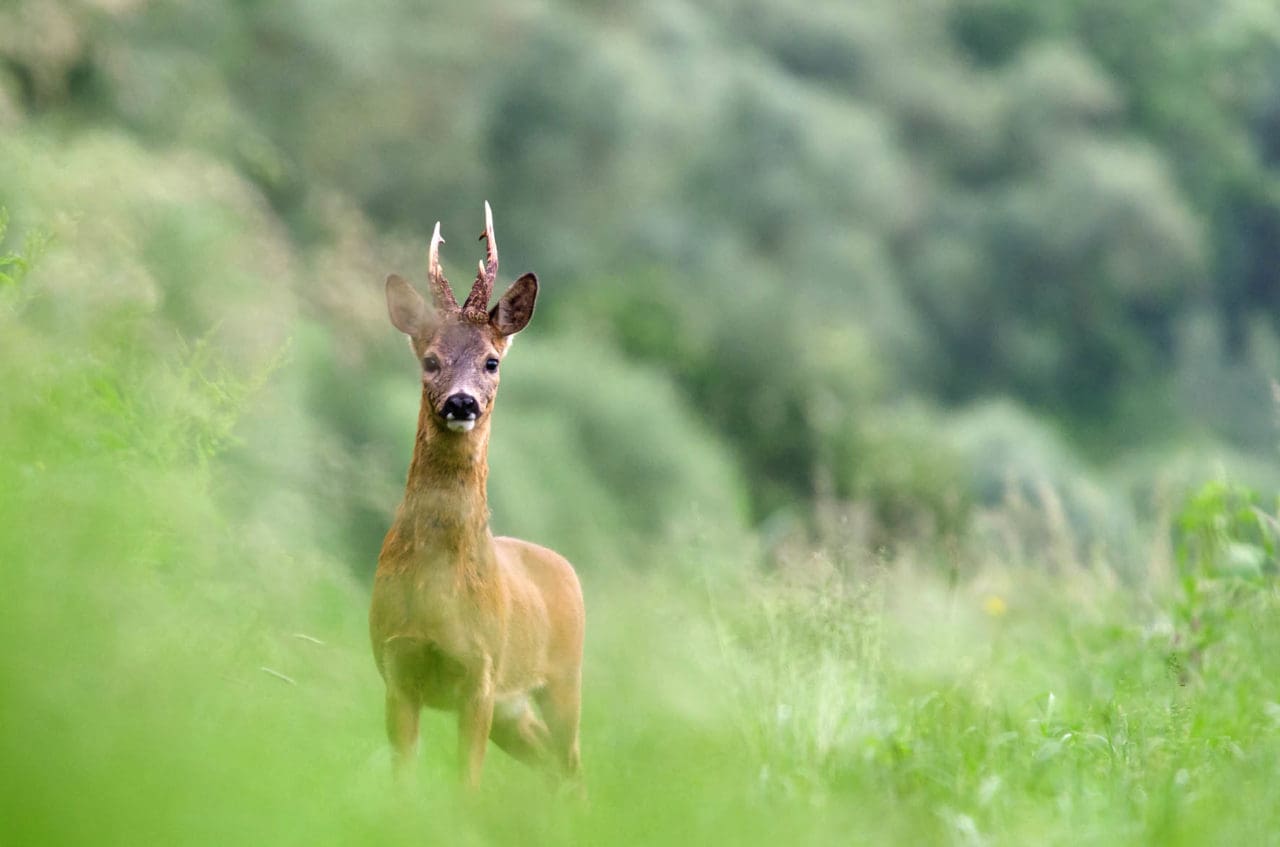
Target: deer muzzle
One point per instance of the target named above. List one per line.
(460, 412)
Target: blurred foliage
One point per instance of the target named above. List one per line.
(1224, 531)
(634, 478)
(822, 234)
(1228, 556)
(1038, 499)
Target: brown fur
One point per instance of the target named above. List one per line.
(461, 620)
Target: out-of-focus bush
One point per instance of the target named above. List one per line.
(139, 612)
(178, 236)
(1228, 556)
(604, 461)
(1226, 393)
(899, 462)
(10, 112)
(781, 383)
(1037, 499)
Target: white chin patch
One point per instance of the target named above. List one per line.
(461, 426)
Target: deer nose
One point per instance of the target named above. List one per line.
(461, 407)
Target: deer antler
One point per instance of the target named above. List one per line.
(478, 300)
(441, 293)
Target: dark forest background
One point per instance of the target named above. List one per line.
(898, 256)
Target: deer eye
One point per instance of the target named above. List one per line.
(431, 364)
(491, 365)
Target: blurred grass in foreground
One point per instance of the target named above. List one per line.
(174, 673)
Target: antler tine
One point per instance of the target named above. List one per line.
(441, 293)
(491, 245)
(482, 290)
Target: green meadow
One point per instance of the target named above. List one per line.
(903, 386)
(179, 670)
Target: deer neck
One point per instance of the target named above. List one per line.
(444, 516)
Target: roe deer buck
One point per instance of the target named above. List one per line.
(461, 620)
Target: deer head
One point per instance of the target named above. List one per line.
(461, 348)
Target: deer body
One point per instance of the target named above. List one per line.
(460, 620)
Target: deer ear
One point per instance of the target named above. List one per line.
(515, 308)
(408, 311)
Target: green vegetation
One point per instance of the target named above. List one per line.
(904, 387)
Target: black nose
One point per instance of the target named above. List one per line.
(461, 407)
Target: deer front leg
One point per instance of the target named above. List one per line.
(402, 732)
(475, 720)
